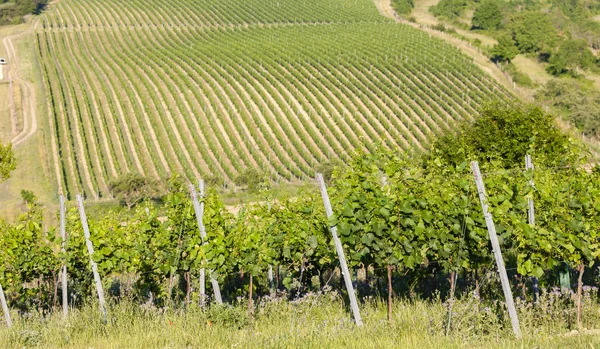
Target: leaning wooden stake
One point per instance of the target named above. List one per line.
(340, 252)
(496, 249)
(581, 269)
(63, 235)
(5, 308)
(531, 218)
(90, 248)
(199, 210)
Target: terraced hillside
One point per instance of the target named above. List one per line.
(209, 88)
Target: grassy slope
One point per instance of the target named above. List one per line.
(34, 169)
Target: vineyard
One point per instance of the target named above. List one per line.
(209, 89)
(395, 220)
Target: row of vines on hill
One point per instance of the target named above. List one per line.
(212, 100)
(388, 213)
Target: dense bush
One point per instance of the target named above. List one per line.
(7, 161)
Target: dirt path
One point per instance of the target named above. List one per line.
(385, 9)
(29, 114)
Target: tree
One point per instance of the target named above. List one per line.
(578, 100)
(253, 179)
(449, 8)
(570, 56)
(487, 16)
(533, 32)
(504, 134)
(133, 188)
(7, 161)
(403, 7)
(506, 49)
(28, 196)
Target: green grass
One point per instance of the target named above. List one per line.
(314, 322)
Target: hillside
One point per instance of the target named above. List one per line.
(211, 88)
(547, 50)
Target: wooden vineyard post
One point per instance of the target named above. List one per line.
(270, 277)
(531, 219)
(496, 249)
(63, 235)
(199, 210)
(90, 248)
(5, 307)
(202, 287)
(340, 252)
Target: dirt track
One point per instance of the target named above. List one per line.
(28, 102)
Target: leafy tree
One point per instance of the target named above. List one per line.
(253, 179)
(133, 188)
(449, 8)
(7, 162)
(28, 197)
(505, 50)
(12, 12)
(403, 7)
(578, 99)
(487, 16)
(533, 32)
(504, 134)
(570, 56)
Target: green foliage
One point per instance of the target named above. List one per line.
(567, 229)
(8, 162)
(441, 27)
(504, 133)
(410, 218)
(487, 16)
(449, 9)
(375, 226)
(533, 32)
(12, 12)
(505, 50)
(28, 197)
(26, 256)
(577, 100)
(403, 7)
(132, 188)
(253, 179)
(327, 168)
(571, 56)
(517, 76)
